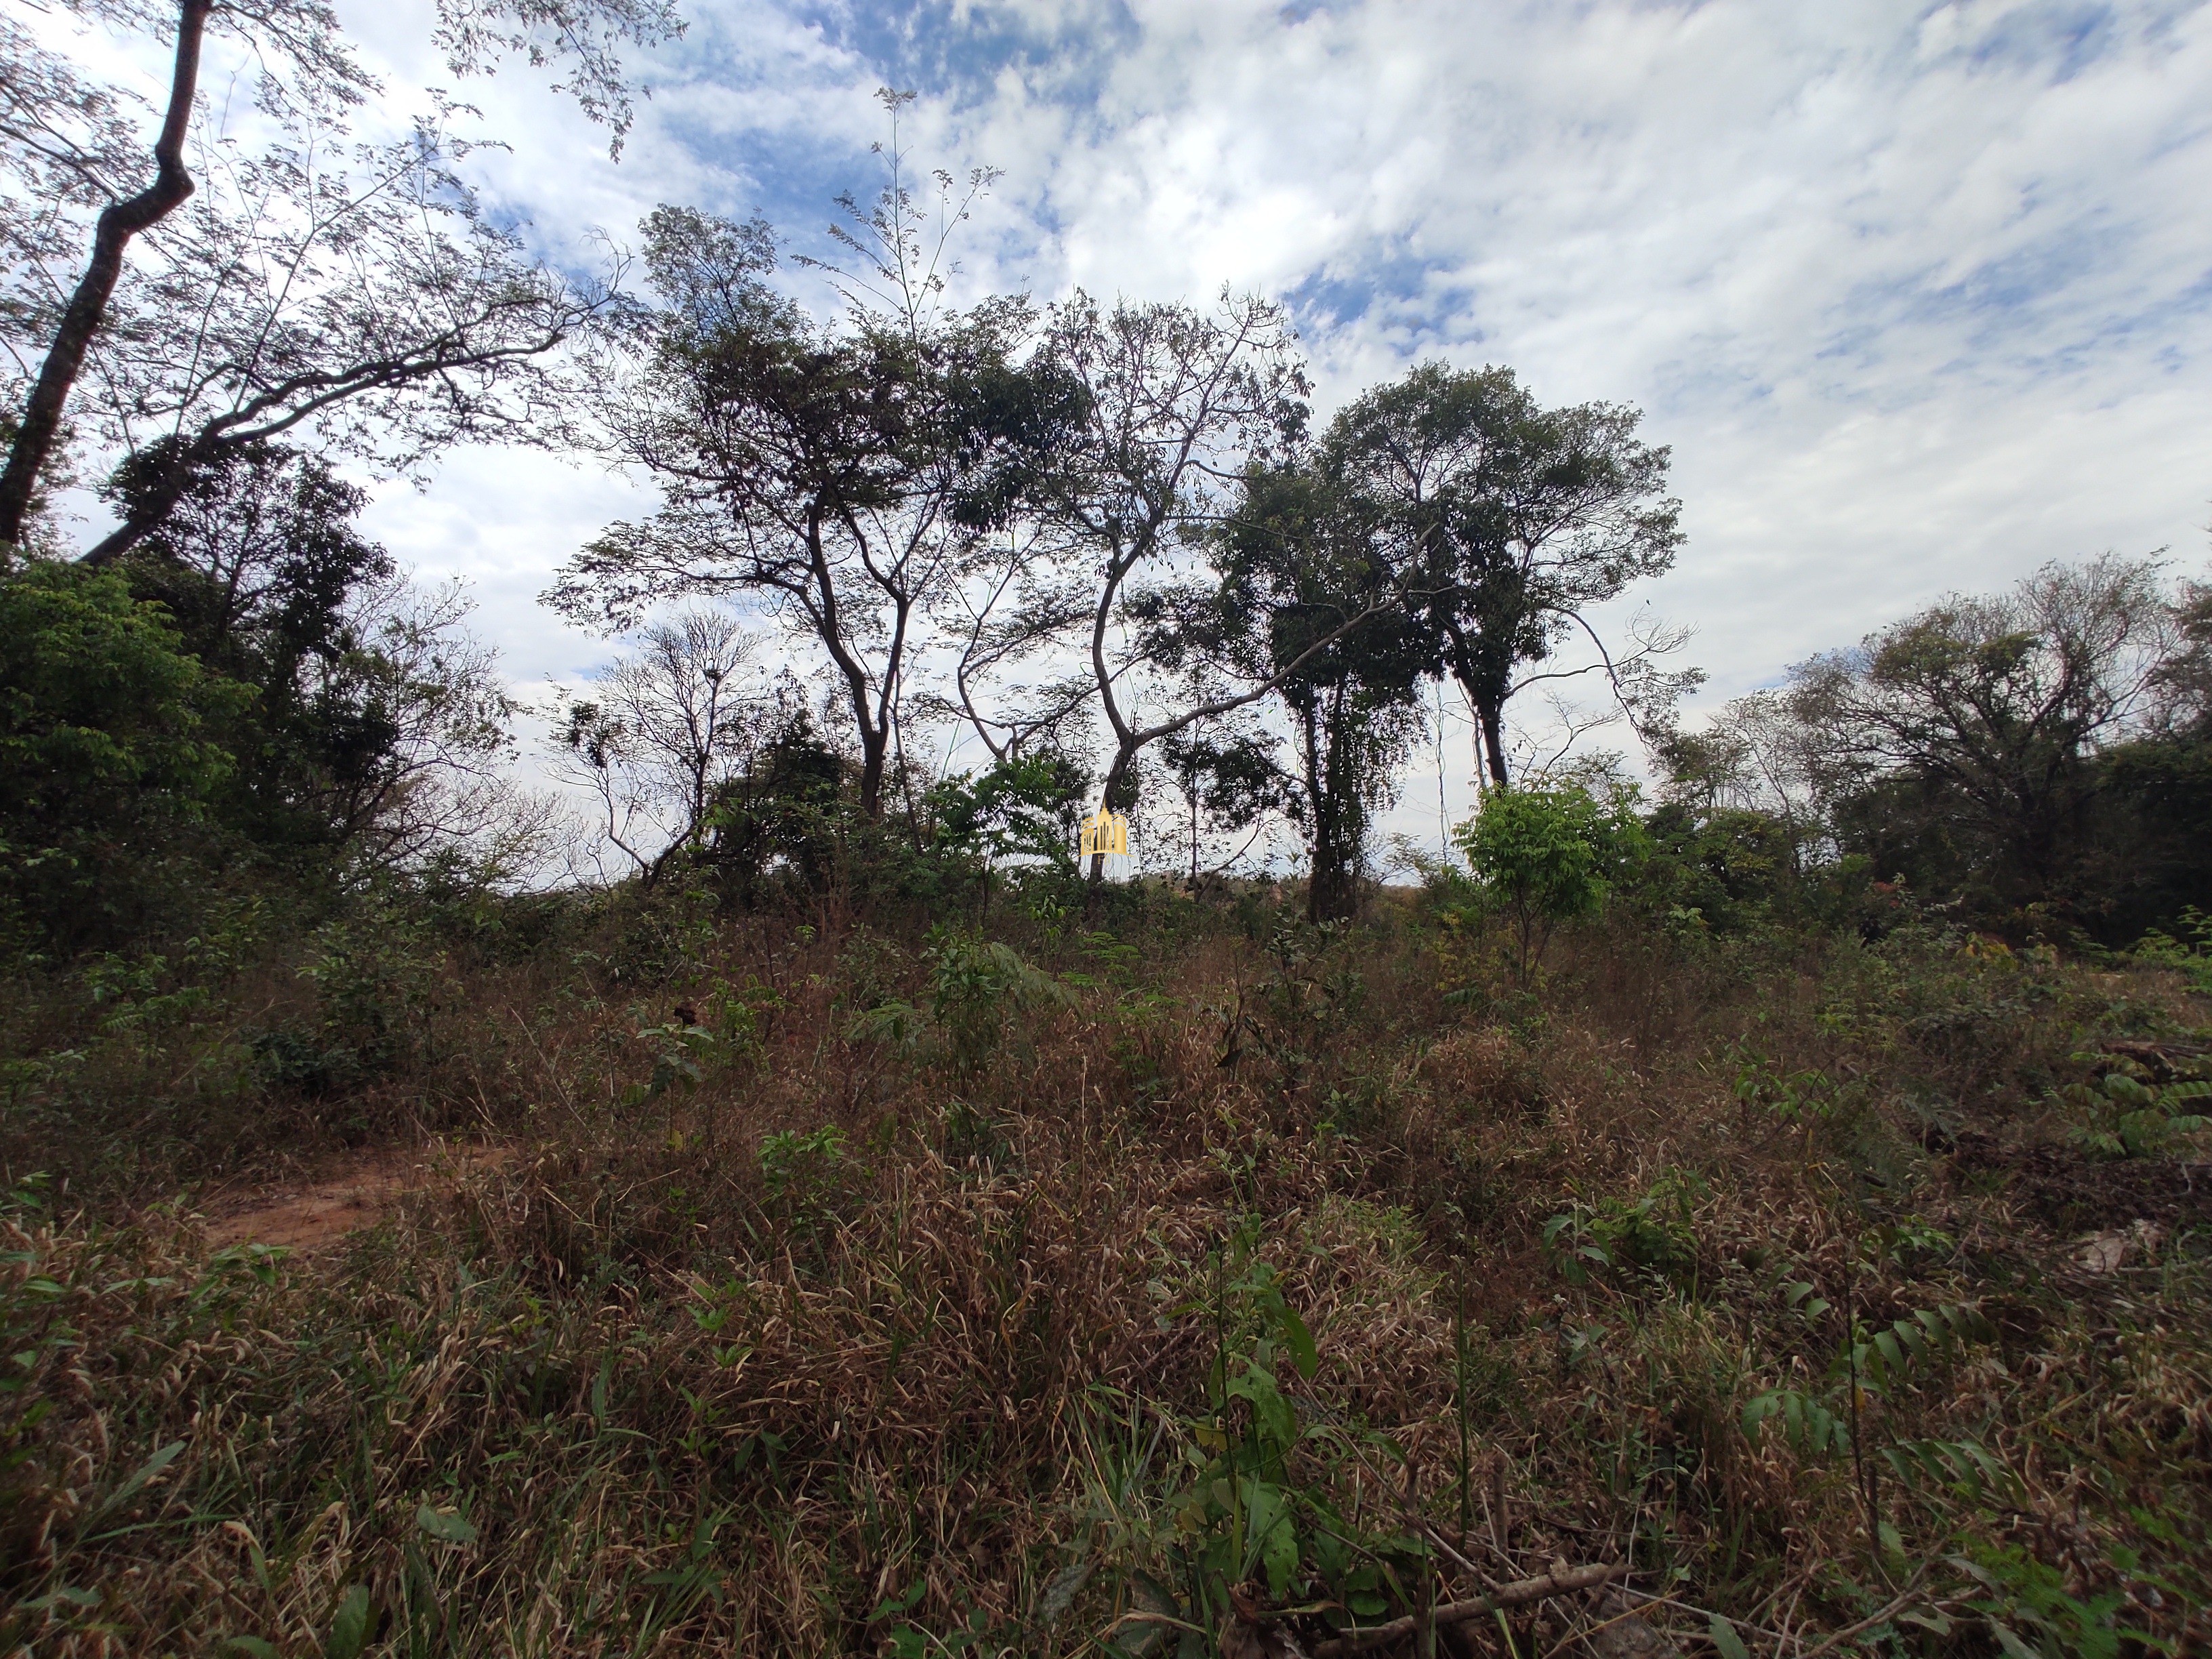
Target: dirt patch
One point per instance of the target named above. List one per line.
(320, 1211)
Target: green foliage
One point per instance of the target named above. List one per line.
(1253, 1511)
(2130, 1117)
(1761, 1086)
(805, 1176)
(2192, 958)
(1514, 519)
(262, 566)
(378, 975)
(1964, 742)
(2033, 1614)
(1545, 856)
(107, 751)
(1312, 995)
(1651, 1237)
(1020, 809)
(976, 986)
(1720, 870)
(784, 820)
(1872, 1363)
(1305, 596)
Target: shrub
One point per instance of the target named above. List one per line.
(1545, 856)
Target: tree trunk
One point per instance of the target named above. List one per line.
(87, 307)
(1332, 885)
(1333, 895)
(1110, 799)
(1494, 742)
(873, 745)
(151, 511)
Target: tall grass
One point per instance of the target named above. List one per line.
(830, 1303)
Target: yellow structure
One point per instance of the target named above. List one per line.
(1106, 832)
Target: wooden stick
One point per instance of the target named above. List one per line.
(1453, 1613)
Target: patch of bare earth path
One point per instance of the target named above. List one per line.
(320, 1209)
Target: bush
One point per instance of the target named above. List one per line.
(1545, 856)
(105, 753)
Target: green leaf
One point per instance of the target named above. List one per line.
(1299, 1341)
(349, 1626)
(68, 1593)
(445, 1528)
(1279, 1554)
(1725, 1638)
(252, 1646)
(131, 1488)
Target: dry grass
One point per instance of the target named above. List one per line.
(663, 1382)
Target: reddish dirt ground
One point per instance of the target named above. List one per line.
(318, 1211)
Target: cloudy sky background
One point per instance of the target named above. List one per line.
(1921, 295)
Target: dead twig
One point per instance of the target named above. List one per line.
(1454, 1613)
(1910, 1593)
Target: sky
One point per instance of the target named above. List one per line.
(1919, 296)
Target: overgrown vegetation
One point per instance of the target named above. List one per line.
(902, 1290)
(1772, 1195)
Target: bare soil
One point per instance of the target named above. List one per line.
(318, 1210)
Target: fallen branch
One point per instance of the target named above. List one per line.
(1454, 1613)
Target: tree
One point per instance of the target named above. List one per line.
(1964, 740)
(2150, 831)
(423, 716)
(1751, 761)
(1543, 856)
(1176, 404)
(1227, 781)
(259, 563)
(107, 746)
(787, 806)
(671, 726)
(1007, 605)
(1305, 603)
(256, 558)
(1019, 812)
(364, 301)
(1513, 522)
(840, 474)
(376, 717)
(353, 302)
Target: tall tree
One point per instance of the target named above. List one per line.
(260, 563)
(1177, 404)
(78, 179)
(666, 730)
(1227, 782)
(839, 473)
(377, 719)
(1306, 603)
(1520, 521)
(1965, 739)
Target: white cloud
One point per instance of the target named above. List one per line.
(1920, 295)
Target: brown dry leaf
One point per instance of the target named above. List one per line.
(2103, 1253)
(1626, 1634)
(2107, 1252)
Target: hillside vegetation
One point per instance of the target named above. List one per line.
(856, 1285)
(1743, 1192)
